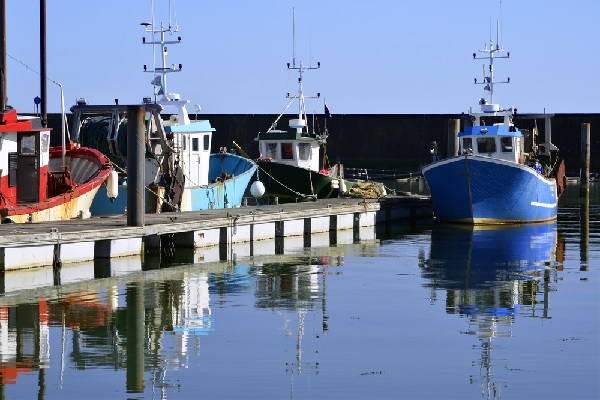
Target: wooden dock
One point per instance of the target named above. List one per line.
(25, 246)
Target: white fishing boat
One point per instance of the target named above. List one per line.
(181, 173)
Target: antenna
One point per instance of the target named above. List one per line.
(488, 78)
(294, 37)
(301, 68)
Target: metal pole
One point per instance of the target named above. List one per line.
(135, 165)
(3, 97)
(584, 182)
(43, 91)
(453, 130)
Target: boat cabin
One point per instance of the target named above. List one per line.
(24, 155)
(291, 148)
(194, 142)
(297, 148)
(497, 141)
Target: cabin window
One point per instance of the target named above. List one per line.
(506, 144)
(486, 145)
(184, 141)
(304, 151)
(195, 144)
(45, 141)
(272, 150)
(28, 145)
(467, 145)
(206, 142)
(286, 151)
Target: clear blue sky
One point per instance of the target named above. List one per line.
(377, 57)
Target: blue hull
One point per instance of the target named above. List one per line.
(484, 190)
(207, 197)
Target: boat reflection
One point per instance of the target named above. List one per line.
(149, 325)
(492, 274)
(152, 326)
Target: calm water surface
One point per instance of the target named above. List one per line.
(394, 312)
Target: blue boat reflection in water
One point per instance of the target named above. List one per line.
(488, 272)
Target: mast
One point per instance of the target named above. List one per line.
(43, 74)
(488, 78)
(300, 123)
(3, 97)
(161, 94)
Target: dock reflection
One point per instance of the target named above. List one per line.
(491, 275)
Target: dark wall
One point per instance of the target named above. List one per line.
(390, 140)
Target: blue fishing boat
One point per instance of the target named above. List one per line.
(181, 174)
(497, 176)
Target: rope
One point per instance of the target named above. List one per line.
(288, 188)
(283, 112)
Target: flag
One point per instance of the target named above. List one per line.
(327, 113)
(157, 81)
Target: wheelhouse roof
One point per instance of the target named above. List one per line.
(497, 130)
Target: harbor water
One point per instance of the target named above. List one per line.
(394, 311)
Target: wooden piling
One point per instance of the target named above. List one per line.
(584, 181)
(135, 165)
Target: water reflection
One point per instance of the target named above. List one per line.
(488, 273)
(152, 322)
(292, 290)
(138, 325)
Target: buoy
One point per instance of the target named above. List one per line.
(257, 189)
(342, 186)
(112, 185)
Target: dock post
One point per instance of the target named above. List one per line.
(135, 165)
(584, 179)
(453, 130)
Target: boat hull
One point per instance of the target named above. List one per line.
(89, 169)
(218, 194)
(290, 182)
(483, 190)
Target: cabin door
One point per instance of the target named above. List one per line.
(28, 167)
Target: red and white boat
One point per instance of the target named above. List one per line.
(43, 183)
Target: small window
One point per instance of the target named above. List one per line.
(272, 150)
(184, 141)
(507, 144)
(486, 145)
(195, 144)
(467, 145)
(304, 151)
(28, 145)
(206, 142)
(286, 151)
